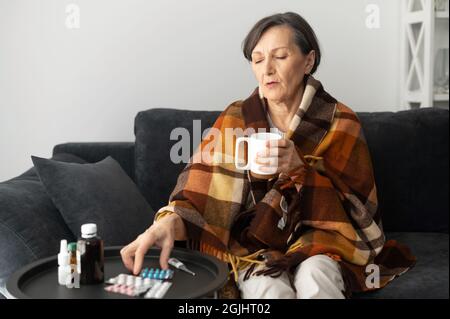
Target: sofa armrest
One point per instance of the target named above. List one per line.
(122, 152)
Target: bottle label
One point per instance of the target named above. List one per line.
(73, 278)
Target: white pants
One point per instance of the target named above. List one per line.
(317, 277)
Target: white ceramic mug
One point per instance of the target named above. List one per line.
(256, 143)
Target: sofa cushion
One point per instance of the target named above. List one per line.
(429, 277)
(100, 193)
(30, 225)
(409, 150)
(122, 152)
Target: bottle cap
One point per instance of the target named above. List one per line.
(63, 246)
(72, 247)
(88, 230)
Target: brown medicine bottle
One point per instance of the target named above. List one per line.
(91, 255)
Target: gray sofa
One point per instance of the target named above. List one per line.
(409, 151)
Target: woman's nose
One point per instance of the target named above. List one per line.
(268, 67)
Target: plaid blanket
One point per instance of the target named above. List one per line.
(327, 206)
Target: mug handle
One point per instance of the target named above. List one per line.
(239, 140)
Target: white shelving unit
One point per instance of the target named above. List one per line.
(424, 31)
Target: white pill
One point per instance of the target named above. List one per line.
(162, 290)
(147, 282)
(121, 280)
(130, 281)
(151, 293)
(138, 282)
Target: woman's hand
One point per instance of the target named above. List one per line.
(280, 155)
(163, 234)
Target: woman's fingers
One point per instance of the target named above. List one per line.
(144, 245)
(281, 143)
(160, 234)
(271, 157)
(127, 254)
(267, 161)
(277, 148)
(166, 249)
(277, 154)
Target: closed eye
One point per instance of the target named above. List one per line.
(279, 58)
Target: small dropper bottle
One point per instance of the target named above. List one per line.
(63, 263)
(73, 260)
(74, 266)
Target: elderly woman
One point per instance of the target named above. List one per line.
(313, 229)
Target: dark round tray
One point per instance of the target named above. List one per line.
(40, 278)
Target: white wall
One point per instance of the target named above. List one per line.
(87, 84)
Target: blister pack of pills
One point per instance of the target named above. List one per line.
(136, 286)
(158, 290)
(156, 273)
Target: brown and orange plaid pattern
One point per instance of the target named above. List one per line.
(331, 200)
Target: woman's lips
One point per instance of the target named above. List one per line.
(271, 84)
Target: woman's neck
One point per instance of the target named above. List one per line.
(282, 113)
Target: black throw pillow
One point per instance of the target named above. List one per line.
(30, 225)
(100, 193)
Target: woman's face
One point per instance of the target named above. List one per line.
(279, 65)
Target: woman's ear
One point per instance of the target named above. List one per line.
(310, 60)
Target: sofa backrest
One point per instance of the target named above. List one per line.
(409, 150)
(155, 173)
